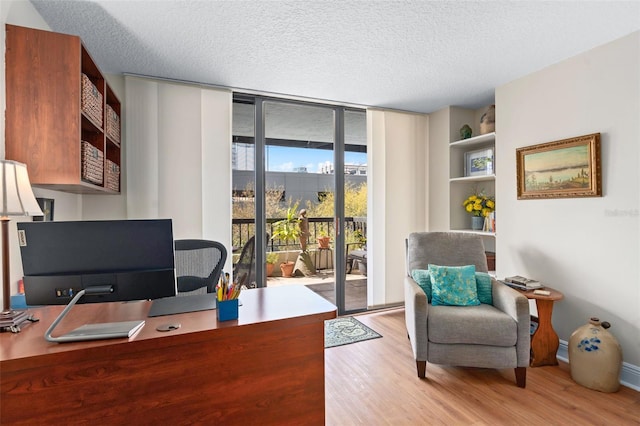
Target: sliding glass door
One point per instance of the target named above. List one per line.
(291, 173)
(244, 199)
(299, 153)
(354, 226)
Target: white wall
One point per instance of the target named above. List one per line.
(398, 199)
(588, 248)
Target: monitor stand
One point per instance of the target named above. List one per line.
(109, 330)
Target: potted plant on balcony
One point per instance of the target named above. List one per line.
(272, 258)
(288, 231)
(323, 240)
(360, 239)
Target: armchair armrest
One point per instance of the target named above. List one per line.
(416, 311)
(516, 305)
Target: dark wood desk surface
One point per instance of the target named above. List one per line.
(258, 306)
(268, 365)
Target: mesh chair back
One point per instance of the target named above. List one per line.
(246, 265)
(199, 264)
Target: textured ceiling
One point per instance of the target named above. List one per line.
(411, 55)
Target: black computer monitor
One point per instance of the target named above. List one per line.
(133, 258)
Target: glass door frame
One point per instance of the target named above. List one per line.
(260, 183)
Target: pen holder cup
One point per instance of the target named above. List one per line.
(227, 310)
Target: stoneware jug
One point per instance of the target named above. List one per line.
(488, 120)
(595, 357)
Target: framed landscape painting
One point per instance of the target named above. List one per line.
(560, 169)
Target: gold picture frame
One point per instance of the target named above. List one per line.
(566, 168)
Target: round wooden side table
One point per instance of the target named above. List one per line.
(544, 341)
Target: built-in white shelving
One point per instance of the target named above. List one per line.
(466, 179)
(461, 186)
(487, 138)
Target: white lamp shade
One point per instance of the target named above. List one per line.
(16, 196)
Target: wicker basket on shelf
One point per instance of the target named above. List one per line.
(92, 163)
(91, 100)
(113, 124)
(113, 176)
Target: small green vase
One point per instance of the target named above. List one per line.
(465, 132)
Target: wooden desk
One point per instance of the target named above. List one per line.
(545, 341)
(266, 367)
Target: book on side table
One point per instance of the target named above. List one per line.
(522, 283)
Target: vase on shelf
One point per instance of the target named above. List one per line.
(488, 120)
(477, 222)
(465, 132)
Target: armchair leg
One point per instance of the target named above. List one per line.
(422, 367)
(521, 376)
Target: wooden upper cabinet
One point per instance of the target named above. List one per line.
(56, 113)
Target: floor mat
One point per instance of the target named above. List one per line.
(346, 330)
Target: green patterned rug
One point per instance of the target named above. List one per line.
(345, 330)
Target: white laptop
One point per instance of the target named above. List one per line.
(106, 330)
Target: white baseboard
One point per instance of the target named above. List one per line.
(629, 376)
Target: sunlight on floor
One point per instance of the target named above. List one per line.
(323, 283)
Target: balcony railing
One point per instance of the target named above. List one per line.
(243, 229)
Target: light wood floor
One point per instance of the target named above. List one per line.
(375, 383)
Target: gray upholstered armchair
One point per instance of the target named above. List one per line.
(486, 336)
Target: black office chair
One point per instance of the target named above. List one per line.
(245, 269)
(199, 264)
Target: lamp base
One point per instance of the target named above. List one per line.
(10, 320)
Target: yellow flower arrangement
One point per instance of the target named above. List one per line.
(479, 205)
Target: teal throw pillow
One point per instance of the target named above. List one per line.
(421, 277)
(453, 285)
(483, 282)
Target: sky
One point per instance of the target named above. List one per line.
(285, 159)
